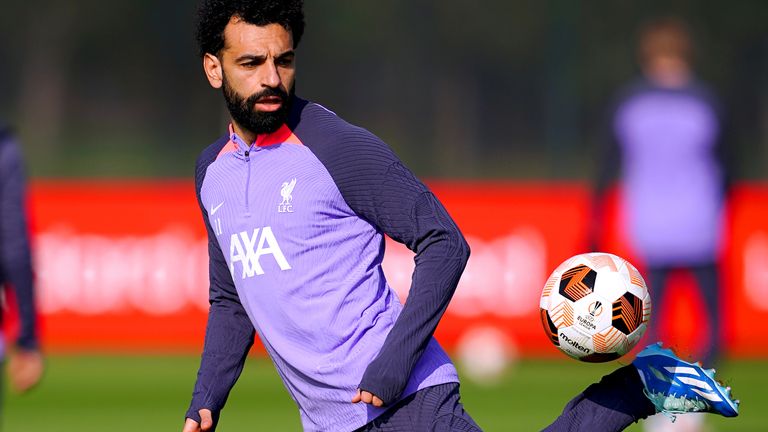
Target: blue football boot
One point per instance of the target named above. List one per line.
(677, 387)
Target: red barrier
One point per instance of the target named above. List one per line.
(746, 264)
(122, 266)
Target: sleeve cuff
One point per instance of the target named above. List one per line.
(388, 390)
(193, 414)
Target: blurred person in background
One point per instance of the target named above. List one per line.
(25, 361)
(667, 131)
(296, 202)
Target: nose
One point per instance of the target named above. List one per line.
(271, 76)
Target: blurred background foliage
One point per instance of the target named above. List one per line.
(490, 89)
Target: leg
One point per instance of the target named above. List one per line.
(707, 279)
(610, 405)
(657, 381)
(433, 409)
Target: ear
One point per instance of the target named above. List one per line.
(213, 70)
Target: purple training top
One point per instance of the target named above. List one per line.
(672, 173)
(296, 223)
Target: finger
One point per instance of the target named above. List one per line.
(206, 419)
(356, 398)
(377, 402)
(191, 426)
(367, 397)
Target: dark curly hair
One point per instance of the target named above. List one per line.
(214, 15)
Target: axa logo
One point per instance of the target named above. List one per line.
(286, 191)
(248, 249)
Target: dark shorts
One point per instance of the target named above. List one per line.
(433, 409)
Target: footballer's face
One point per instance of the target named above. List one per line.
(256, 71)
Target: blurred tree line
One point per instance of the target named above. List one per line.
(492, 89)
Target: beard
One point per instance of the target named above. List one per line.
(245, 114)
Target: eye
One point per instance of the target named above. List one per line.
(284, 61)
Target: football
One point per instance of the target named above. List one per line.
(595, 307)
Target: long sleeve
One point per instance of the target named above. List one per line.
(15, 256)
(381, 190)
(229, 333)
(424, 226)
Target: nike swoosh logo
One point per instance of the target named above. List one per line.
(215, 209)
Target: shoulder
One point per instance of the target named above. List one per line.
(6, 137)
(5, 133)
(318, 122)
(210, 153)
(635, 88)
(332, 138)
(703, 92)
(9, 149)
(206, 157)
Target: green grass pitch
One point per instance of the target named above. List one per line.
(150, 393)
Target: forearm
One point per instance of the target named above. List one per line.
(440, 261)
(16, 265)
(22, 282)
(384, 192)
(388, 374)
(229, 337)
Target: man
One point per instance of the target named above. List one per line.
(668, 133)
(668, 147)
(25, 365)
(296, 202)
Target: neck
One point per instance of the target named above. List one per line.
(247, 136)
(668, 72)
